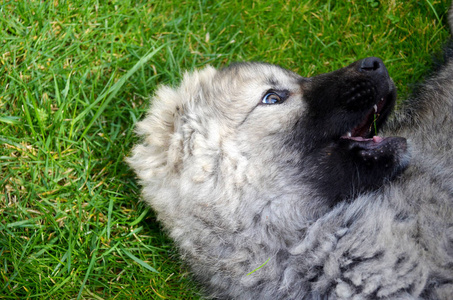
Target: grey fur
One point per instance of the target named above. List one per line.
(216, 169)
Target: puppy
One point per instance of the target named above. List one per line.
(276, 186)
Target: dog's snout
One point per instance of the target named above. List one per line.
(372, 64)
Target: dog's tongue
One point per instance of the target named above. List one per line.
(364, 143)
(376, 139)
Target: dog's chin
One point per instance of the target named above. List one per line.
(376, 159)
(376, 149)
(349, 167)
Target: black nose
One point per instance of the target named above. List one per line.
(372, 64)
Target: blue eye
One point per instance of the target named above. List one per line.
(271, 98)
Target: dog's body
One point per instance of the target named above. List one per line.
(274, 188)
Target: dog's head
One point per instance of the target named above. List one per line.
(255, 127)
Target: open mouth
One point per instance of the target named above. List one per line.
(367, 129)
(363, 139)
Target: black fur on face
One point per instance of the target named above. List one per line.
(346, 108)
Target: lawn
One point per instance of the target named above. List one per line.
(76, 75)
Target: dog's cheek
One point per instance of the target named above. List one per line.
(270, 120)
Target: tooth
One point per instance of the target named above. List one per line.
(349, 134)
(382, 99)
(375, 108)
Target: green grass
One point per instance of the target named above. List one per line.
(76, 75)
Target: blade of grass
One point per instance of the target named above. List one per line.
(109, 218)
(136, 221)
(10, 120)
(88, 272)
(139, 261)
(116, 87)
(434, 11)
(24, 103)
(259, 267)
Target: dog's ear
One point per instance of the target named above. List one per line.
(163, 129)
